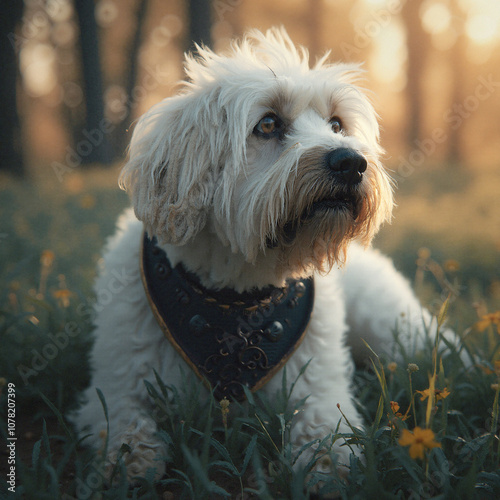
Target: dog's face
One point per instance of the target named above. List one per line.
(265, 153)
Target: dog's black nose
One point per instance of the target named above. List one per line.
(348, 163)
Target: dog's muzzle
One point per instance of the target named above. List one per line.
(347, 165)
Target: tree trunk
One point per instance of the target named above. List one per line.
(11, 159)
(96, 129)
(121, 138)
(417, 46)
(200, 23)
(455, 152)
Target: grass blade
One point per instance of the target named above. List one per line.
(59, 416)
(248, 454)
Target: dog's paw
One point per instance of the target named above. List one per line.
(339, 459)
(335, 462)
(144, 451)
(336, 465)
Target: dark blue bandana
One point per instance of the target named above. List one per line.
(229, 339)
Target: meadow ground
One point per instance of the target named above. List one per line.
(437, 443)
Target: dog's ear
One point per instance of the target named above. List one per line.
(169, 174)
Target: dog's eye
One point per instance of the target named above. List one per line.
(269, 126)
(336, 124)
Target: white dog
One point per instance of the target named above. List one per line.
(258, 186)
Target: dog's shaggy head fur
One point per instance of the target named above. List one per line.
(272, 161)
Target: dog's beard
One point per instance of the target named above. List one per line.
(316, 232)
(318, 239)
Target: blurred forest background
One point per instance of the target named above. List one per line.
(76, 74)
(73, 71)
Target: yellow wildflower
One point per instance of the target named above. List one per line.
(396, 414)
(47, 258)
(423, 253)
(63, 296)
(395, 408)
(487, 320)
(439, 394)
(392, 366)
(451, 265)
(419, 441)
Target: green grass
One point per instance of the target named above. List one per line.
(250, 453)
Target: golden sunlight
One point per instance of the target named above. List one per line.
(436, 17)
(482, 28)
(37, 67)
(389, 55)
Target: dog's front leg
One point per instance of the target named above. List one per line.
(326, 385)
(322, 417)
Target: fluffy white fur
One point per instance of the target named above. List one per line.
(216, 194)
